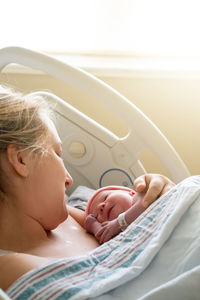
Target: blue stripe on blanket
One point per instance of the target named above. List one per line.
(115, 262)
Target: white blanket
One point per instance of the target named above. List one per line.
(156, 257)
(174, 272)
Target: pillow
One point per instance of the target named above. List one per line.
(80, 197)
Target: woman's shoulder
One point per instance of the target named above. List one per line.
(3, 252)
(14, 265)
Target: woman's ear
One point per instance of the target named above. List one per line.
(18, 159)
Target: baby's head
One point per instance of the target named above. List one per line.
(108, 202)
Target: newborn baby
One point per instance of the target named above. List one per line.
(110, 210)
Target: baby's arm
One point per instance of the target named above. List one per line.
(134, 211)
(90, 223)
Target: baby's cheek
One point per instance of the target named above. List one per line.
(115, 212)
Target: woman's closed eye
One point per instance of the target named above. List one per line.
(59, 154)
(58, 150)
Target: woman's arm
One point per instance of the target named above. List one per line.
(14, 265)
(77, 214)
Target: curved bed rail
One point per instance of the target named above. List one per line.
(141, 129)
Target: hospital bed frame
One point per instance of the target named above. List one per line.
(94, 155)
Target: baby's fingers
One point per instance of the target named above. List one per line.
(99, 233)
(105, 237)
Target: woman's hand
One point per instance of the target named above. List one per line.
(154, 186)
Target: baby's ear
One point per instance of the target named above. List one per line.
(18, 159)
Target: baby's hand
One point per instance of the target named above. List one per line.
(107, 231)
(92, 225)
(89, 222)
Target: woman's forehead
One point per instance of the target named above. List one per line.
(53, 134)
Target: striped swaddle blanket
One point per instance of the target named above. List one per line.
(120, 260)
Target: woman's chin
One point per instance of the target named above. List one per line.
(60, 220)
(65, 216)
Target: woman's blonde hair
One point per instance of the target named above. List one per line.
(23, 120)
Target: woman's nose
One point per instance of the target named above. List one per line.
(69, 180)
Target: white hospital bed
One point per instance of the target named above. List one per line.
(166, 261)
(94, 155)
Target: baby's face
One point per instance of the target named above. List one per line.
(108, 204)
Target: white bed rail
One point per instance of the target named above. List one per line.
(143, 134)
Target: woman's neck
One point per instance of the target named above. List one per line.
(18, 232)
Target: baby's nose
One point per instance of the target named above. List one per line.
(101, 206)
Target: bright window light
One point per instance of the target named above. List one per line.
(135, 27)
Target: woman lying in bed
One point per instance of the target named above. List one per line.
(35, 226)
